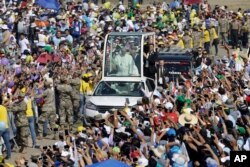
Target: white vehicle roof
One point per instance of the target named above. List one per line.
(127, 79)
(132, 33)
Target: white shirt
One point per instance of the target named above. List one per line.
(126, 65)
(42, 38)
(69, 38)
(24, 45)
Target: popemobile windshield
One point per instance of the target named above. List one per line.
(123, 53)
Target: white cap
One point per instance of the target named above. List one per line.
(169, 106)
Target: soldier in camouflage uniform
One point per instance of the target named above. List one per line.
(22, 125)
(48, 110)
(187, 40)
(196, 36)
(65, 107)
(224, 28)
(75, 83)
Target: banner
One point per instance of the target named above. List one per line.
(192, 1)
(49, 4)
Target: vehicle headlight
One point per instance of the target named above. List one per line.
(90, 105)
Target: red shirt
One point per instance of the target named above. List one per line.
(172, 115)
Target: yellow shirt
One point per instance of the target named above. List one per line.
(215, 36)
(85, 87)
(29, 59)
(29, 111)
(206, 36)
(181, 44)
(4, 115)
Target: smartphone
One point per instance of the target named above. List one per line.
(187, 125)
(45, 147)
(66, 147)
(133, 115)
(127, 100)
(54, 147)
(66, 132)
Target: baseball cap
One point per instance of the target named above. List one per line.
(241, 130)
(80, 128)
(211, 162)
(171, 132)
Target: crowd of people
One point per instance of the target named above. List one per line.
(50, 60)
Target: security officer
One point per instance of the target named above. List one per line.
(234, 31)
(196, 38)
(224, 28)
(48, 110)
(65, 107)
(187, 40)
(19, 110)
(75, 83)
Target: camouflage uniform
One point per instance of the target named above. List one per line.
(65, 107)
(48, 111)
(22, 125)
(75, 83)
(187, 40)
(196, 36)
(224, 28)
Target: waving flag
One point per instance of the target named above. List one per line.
(49, 4)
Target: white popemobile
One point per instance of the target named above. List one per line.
(122, 77)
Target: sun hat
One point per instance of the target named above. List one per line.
(180, 160)
(159, 151)
(187, 119)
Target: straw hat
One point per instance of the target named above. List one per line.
(187, 119)
(159, 151)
